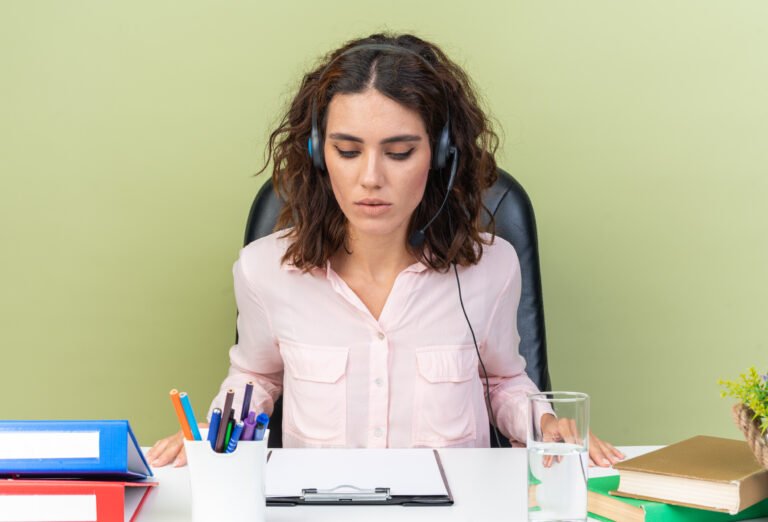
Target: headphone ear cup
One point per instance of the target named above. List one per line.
(440, 160)
(315, 147)
(321, 154)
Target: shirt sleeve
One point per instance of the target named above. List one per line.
(509, 384)
(256, 356)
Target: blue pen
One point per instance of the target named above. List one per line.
(190, 415)
(262, 421)
(213, 429)
(238, 429)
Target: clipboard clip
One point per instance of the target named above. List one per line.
(345, 493)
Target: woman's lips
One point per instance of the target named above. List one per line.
(373, 207)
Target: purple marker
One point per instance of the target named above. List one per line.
(250, 427)
(247, 400)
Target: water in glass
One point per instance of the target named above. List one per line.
(557, 481)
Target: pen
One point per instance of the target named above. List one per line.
(247, 400)
(213, 429)
(262, 421)
(250, 426)
(219, 447)
(190, 414)
(228, 435)
(236, 431)
(180, 414)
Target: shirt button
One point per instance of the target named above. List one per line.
(378, 432)
(378, 382)
(380, 335)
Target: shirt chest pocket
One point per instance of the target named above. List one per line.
(445, 390)
(315, 393)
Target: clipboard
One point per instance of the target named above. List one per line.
(403, 477)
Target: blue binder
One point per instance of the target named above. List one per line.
(76, 448)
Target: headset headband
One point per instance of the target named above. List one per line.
(443, 143)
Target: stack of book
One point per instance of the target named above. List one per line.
(703, 479)
(71, 470)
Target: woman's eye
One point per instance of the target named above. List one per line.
(348, 153)
(400, 155)
(394, 155)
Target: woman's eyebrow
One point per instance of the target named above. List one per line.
(401, 137)
(345, 137)
(392, 139)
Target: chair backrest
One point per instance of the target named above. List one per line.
(514, 221)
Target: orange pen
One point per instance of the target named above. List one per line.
(180, 414)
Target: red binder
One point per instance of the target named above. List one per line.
(71, 500)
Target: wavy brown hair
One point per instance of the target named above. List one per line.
(318, 226)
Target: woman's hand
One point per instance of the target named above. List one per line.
(601, 453)
(169, 449)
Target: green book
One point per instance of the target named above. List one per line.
(604, 506)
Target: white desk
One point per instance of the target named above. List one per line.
(487, 485)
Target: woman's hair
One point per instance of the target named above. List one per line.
(318, 225)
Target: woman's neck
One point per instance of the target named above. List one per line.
(374, 258)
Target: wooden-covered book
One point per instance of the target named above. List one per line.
(702, 472)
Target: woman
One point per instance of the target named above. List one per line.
(383, 314)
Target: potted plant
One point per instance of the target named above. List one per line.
(751, 412)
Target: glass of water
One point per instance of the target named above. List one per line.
(558, 463)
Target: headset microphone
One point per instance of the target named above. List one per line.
(417, 237)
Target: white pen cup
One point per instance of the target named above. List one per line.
(227, 487)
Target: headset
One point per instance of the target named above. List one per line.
(443, 150)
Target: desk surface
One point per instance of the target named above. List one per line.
(487, 484)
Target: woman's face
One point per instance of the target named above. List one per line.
(378, 156)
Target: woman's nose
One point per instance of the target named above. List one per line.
(372, 175)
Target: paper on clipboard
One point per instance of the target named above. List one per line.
(407, 472)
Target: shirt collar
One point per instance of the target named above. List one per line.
(416, 267)
(288, 266)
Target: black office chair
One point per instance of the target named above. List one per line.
(515, 222)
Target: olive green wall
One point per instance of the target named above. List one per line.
(129, 133)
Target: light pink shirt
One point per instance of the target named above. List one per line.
(410, 379)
